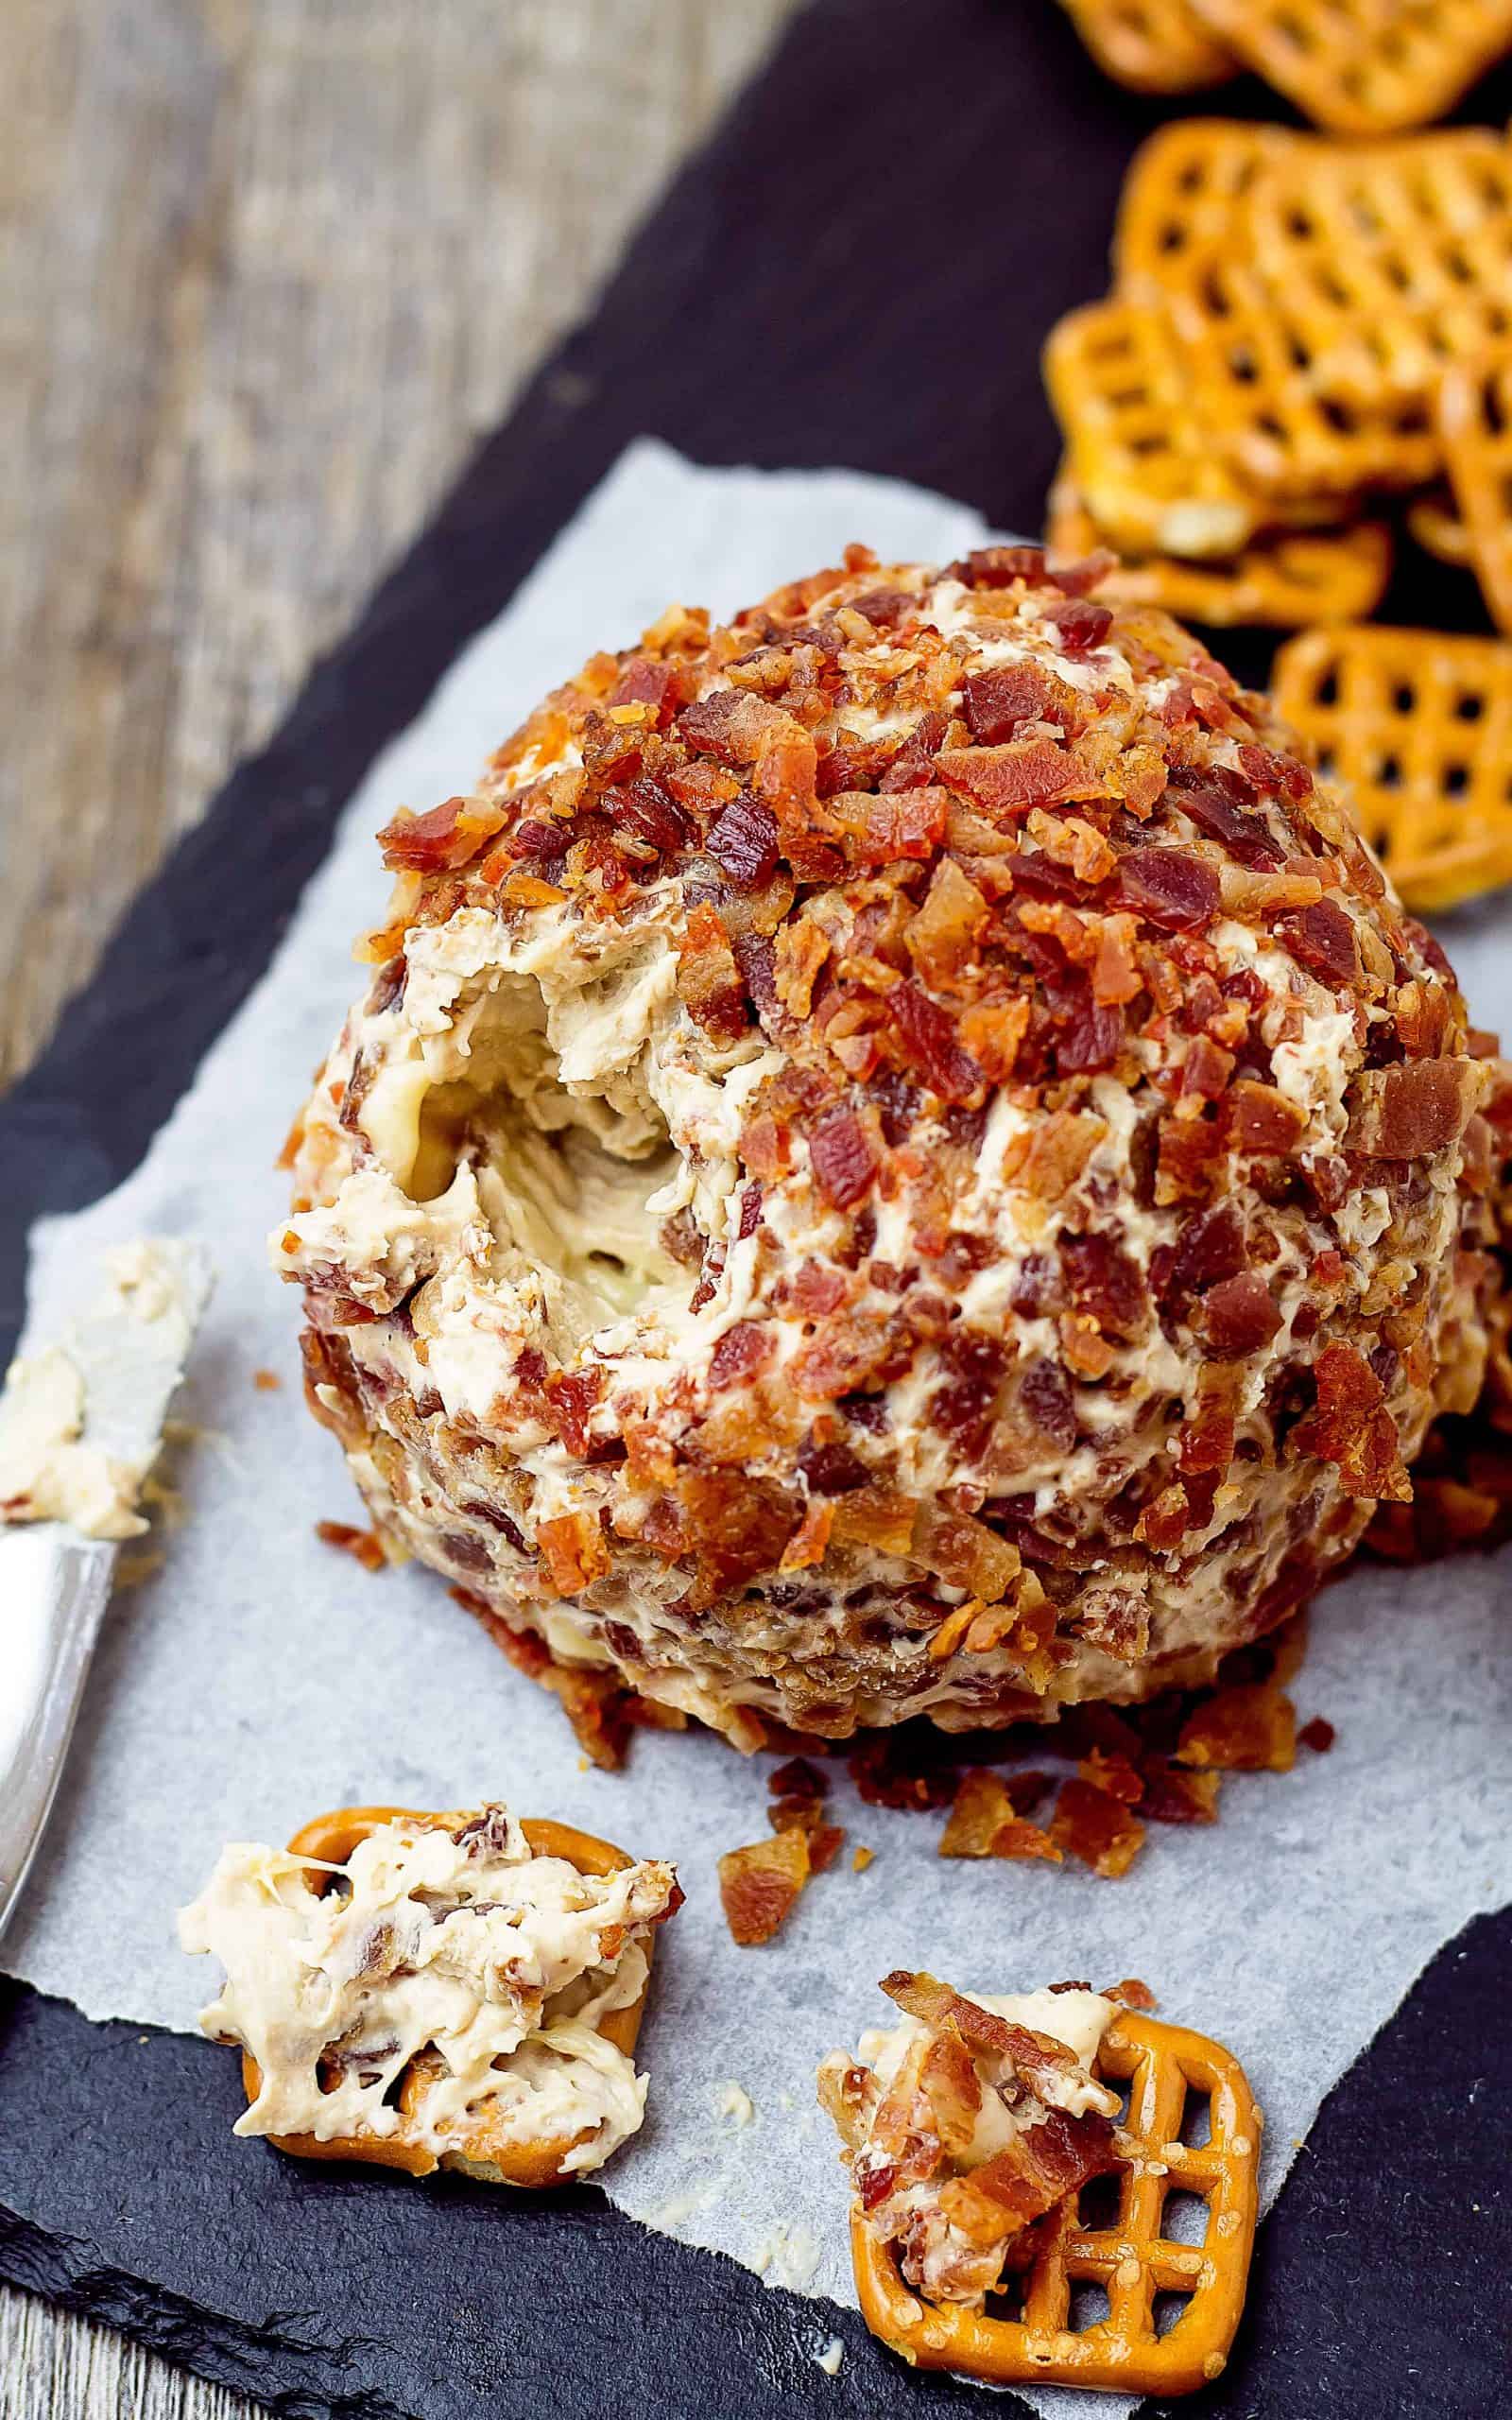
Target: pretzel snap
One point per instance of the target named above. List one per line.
(1417, 725)
(1151, 45)
(484, 2138)
(1475, 421)
(1363, 66)
(1283, 579)
(1129, 2258)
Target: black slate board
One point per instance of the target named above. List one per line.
(859, 270)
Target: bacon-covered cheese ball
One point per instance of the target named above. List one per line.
(898, 1156)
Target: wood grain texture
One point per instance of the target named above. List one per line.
(271, 268)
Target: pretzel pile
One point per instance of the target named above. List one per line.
(1355, 66)
(1300, 333)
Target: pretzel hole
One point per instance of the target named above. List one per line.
(1456, 780)
(1386, 772)
(1167, 2309)
(1469, 706)
(1100, 2204)
(1196, 2121)
(1088, 2306)
(1403, 698)
(1005, 2302)
(1184, 2219)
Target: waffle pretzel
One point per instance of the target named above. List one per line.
(1475, 421)
(1418, 726)
(1131, 2259)
(1181, 197)
(1151, 45)
(1385, 261)
(1363, 66)
(332, 1837)
(1279, 581)
(1151, 480)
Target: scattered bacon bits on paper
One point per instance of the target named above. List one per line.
(364, 1546)
(1318, 1735)
(267, 1382)
(862, 1858)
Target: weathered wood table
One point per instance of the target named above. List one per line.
(271, 268)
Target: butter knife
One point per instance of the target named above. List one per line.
(130, 1349)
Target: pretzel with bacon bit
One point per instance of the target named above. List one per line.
(970, 2136)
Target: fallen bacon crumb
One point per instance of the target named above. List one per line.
(1100, 1830)
(1318, 1735)
(760, 1886)
(364, 1546)
(267, 1382)
(986, 1819)
(1249, 1729)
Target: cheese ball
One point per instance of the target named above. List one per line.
(899, 1156)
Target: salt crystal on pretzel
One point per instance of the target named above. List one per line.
(1418, 726)
(1363, 66)
(1475, 421)
(972, 2131)
(1151, 45)
(436, 1991)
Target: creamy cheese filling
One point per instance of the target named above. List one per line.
(460, 1949)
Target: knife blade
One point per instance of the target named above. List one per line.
(130, 1348)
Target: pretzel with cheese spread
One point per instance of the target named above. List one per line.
(430, 1991)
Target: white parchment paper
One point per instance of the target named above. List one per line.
(261, 1676)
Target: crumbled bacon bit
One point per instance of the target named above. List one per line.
(741, 1353)
(1169, 888)
(1250, 1728)
(1350, 1426)
(708, 980)
(1239, 1316)
(574, 1551)
(267, 1382)
(843, 1157)
(1007, 781)
(449, 837)
(570, 1396)
(364, 1546)
(985, 1821)
(996, 702)
(1404, 1112)
(1105, 1284)
(760, 1886)
(1173, 1795)
(1319, 1734)
(1100, 1830)
(744, 842)
(1079, 624)
(929, 1040)
(1322, 937)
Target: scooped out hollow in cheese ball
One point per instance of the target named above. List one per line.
(899, 1156)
